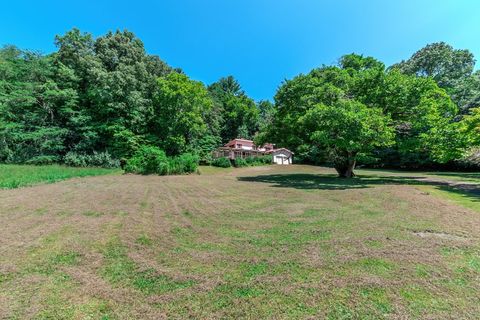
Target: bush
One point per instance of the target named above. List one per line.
(258, 161)
(102, 159)
(251, 161)
(147, 160)
(97, 159)
(73, 159)
(185, 163)
(42, 160)
(265, 159)
(240, 162)
(222, 163)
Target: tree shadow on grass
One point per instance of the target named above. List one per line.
(331, 182)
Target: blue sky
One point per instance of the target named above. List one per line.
(260, 42)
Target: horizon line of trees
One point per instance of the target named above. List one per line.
(421, 112)
(108, 97)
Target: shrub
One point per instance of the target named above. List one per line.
(185, 163)
(258, 161)
(222, 163)
(240, 162)
(147, 160)
(251, 161)
(42, 160)
(266, 159)
(97, 159)
(73, 159)
(102, 159)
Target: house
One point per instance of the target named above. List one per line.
(245, 144)
(267, 147)
(243, 148)
(241, 144)
(281, 156)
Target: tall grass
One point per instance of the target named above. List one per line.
(15, 176)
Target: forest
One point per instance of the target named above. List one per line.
(95, 101)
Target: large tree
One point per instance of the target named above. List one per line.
(346, 129)
(421, 112)
(452, 69)
(115, 80)
(181, 107)
(237, 112)
(440, 61)
(33, 107)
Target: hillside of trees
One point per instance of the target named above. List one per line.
(105, 98)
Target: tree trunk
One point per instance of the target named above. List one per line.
(345, 168)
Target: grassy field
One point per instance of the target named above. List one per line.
(454, 176)
(15, 176)
(275, 242)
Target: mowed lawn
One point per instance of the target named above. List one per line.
(279, 242)
(16, 176)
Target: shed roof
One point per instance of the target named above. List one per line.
(280, 149)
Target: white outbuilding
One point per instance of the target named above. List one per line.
(282, 156)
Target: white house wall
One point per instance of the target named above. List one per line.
(282, 157)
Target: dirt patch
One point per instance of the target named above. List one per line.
(439, 235)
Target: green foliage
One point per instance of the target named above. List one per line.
(148, 160)
(240, 162)
(42, 160)
(250, 160)
(347, 126)
(97, 159)
(469, 127)
(421, 115)
(441, 62)
(107, 94)
(258, 161)
(222, 163)
(179, 105)
(184, 163)
(103, 96)
(345, 130)
(240, 114)
(452, 70)
(266, 114)
(205, 146)
(152, 160)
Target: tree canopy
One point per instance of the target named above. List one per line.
(240, 114)
(452, 69)
(416, 109)
(106, 97)
(107, 94)
(345, 129)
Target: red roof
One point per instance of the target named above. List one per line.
(242, 141)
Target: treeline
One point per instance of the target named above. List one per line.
(96, 101)
(104, 98)
(422, 112)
